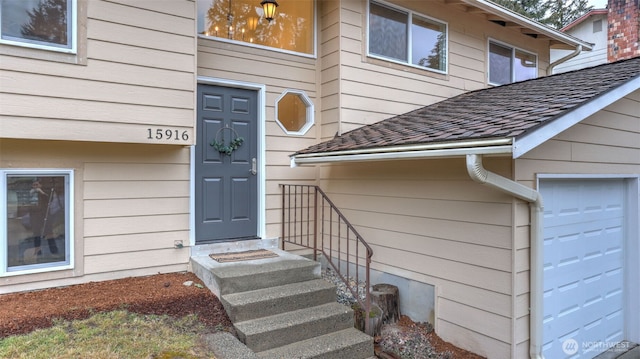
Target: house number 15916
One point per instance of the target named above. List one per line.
(167, 134)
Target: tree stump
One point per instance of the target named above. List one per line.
(375, 319)
(387, 297)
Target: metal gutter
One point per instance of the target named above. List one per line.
(501, 146)
(514, 17)
(479, 174)
(575, 53)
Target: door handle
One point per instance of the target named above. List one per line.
(254, 167)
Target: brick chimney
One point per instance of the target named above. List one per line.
(624, 30)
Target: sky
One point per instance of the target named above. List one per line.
(598, 4)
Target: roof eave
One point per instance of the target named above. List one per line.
(556, 35)
(582, 18)
(530, 140)
(496, 146)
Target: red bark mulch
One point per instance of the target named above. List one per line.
(157, 294)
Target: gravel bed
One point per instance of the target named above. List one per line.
(400, 341)
(343, 293)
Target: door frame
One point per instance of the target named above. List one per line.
(631, 184)
(261, 112)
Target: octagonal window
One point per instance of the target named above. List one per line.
(294, 112)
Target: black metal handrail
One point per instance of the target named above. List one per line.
(311, 220)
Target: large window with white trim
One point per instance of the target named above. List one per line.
(36, 220)
(291, 29)
(401, 35)
(43, 24)
(508, 64)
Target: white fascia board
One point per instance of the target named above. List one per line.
(528, 23)
(406, 155)
(529, 141)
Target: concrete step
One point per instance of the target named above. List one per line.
(348, 343)
(275, 300)
(302, 251)
(234, 277)
(290, 327)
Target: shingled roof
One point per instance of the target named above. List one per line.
(508, 111)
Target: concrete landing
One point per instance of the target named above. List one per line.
(624, 350)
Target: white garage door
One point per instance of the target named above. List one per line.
(583, 266)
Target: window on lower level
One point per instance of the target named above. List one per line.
(401, 35)
(508, 64)
(43, 24)
(292, 28)
(36, 217)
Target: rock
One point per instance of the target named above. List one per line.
(188, 283)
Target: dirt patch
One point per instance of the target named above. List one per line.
(164, 294)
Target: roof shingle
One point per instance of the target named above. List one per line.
(499, 112)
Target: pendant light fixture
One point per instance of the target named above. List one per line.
(269, 8)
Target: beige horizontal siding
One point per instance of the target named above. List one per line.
(139, 36)
(135, 260)
(478, 321)
(55, 86)
(103, 72)
(133, 206)
(483, 345)
(161, 7)
(427, 221)
(138, 242)
(131, 203)
(329, 66)
(606, 142)
(135, 224)
(139, 71)
(129, 13)
(141, 56)
(89, 114)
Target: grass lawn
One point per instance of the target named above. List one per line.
(110, 335)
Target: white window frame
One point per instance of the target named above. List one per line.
(69, 210)
(73, 20)
(309, 122)
(513, 53)
(410, 14)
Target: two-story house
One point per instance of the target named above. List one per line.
(135, 131)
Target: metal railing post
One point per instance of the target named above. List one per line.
(318, 229)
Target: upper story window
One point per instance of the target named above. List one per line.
(403, 36)
(508, 64)
(292, 28)
(597, 26)
(43, 24)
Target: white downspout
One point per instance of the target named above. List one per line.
(479, 174)
(575, 53)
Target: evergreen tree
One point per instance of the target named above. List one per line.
(562, 13)
(555, 13)
(533, 9)
(47, 22)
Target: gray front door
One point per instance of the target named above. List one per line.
(226, 184)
